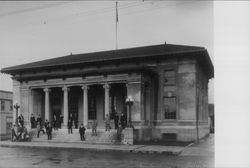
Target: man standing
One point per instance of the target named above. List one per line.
(82, 132)
(94, 125)
(70, 127)
(21, 119)
(54, 121)
(39, 119)
(116, 118)
(32, 121)
(46, 124)
(13, 132)
(61, 120)
(49, 132)
(107, 123)
(123, 121)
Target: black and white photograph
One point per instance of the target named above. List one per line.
(124, 84)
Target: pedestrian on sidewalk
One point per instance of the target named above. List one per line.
(70, 127)
(94, 125)
(82, 132)
(49, 132)
(107, 123)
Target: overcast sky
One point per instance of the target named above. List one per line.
(33, 31)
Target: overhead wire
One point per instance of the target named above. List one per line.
(87, 13)
(32, 9)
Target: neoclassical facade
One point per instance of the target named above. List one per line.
(168, 84)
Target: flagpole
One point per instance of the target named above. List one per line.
(116, 21)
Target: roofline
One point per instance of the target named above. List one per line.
(8, 69)
(12, 70)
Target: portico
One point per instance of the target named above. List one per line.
(89, 98)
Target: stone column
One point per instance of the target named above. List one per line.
(47, 105)
(85, 105)
(65, 106)
(30, 105)
(106, 87)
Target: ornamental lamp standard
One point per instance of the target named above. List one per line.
(129, 102)
(16, 106)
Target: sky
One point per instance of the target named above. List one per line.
(34, 31)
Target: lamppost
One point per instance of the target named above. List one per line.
(16, 106)
(129, 102)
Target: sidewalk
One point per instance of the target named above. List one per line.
(204, 148)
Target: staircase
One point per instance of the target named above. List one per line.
(61, 135)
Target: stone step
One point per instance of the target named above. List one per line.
(61, 135)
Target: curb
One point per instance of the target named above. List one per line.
(86, 148)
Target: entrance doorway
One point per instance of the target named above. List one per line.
(73, 105)
(118, 94)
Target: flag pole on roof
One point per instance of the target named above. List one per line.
(116, 22)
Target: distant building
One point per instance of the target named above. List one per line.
(168, 83)
(6, 113)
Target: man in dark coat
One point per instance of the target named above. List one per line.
(116, 118)
(39, 119)
(46, 125)
(82, 132)
(70, 127)
(21, 120)
(49, 132)
(61, 120)
(32, 121)
(123, 120)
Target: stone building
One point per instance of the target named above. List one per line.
(6, 113)
(168, 84)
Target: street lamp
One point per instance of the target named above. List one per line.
(129, 102)
(16, 106)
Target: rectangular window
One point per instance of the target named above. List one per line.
(169, 107)
(169, 77)
(2, 105)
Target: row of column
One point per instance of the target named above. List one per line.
(65, 103)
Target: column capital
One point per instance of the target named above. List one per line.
(46, 89)
(31, 91)
(65, 89)
(85, 87)
(106, 86)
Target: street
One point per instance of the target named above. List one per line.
(47, 157)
